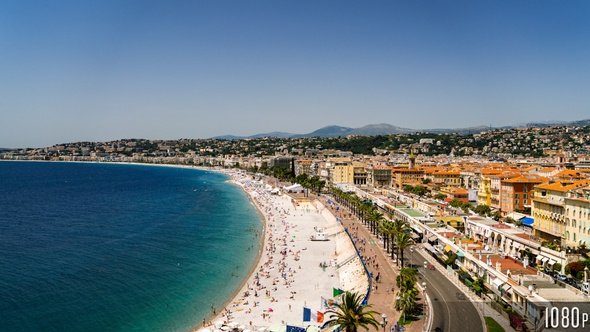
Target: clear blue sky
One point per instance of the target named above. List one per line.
(104, 70)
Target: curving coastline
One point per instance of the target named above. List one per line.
(291, 271)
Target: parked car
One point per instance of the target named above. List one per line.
(561, 277)
(575, 283)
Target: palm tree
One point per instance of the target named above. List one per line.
(399, 227)
(386, 229)
(375, 218)
(350, 314)
(404, 302)
(403, 241)
(406, 279)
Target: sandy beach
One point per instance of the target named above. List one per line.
(292, 271)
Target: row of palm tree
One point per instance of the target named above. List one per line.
(396, 234)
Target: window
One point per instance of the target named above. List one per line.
(515, 195)
(524, 202)
(525, 195)
(515, 202)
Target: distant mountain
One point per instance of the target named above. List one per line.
(387, 129)
(542, 124)
(580, 123)
(329, 131)
(278, 134)
(381, 129)
(228, 137)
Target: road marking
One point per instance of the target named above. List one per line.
(447, 327)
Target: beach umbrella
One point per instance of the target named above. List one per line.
(232, 325)
(241, 327)
(262, 329)
(247, 330)
(270, 310)
(312, 328)
(218, 323)
(224, 328)
(278, 328)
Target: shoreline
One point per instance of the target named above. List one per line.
(291, 271)
(286, 258)
(258, 259)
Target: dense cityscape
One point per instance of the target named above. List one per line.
(508, 211)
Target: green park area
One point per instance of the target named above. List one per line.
(413, 213)
(492, 325)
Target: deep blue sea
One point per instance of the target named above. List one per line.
(102, 247)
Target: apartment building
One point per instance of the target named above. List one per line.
(304, 166)
(577, 217)
(549, 209)
(341, 172)
(379, 176)
(516, 193)
(406, 176)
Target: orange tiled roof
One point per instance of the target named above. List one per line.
(547, 170)
(563, 186)
(527, 179)
(567, 173)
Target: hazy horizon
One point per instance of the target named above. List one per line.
(100, 71)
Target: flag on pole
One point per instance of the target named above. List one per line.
(317, 316)
(306, 314)
(327, 304)
(337, 291)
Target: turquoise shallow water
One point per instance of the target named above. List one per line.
(96, 247)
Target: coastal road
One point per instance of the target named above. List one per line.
(451, 307)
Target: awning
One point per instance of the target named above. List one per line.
(417, 230)
(544, 259)
(528, 221)
(448, 248)
(551, 262)
(460, 254)
(432, 238)
(428, 247)
(415, 236)
(540, 258)
(497, 283)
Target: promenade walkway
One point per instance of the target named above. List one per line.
(383, 293)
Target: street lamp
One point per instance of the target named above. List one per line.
(424, 295)
(384, 322)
